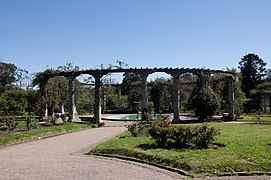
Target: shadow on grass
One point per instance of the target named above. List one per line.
(218, 145)
(258, 123)
(154, 146)
(147, 146)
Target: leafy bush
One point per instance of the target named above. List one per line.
(181, 136)
(138, 130)
(31, 122)
(8, 123)
(256, 118)
(51, 120)
(205, 103)
(204, 135)
(63, 117)
(159, 131)
(132, 129)
(160, 135)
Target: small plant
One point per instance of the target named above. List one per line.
(8, 123)
(63, 117)
(131, 129)
(144, 117)
(138, 130)
(183, 136)
(204, 135)
(159, 131)
(205, 102)
(161, 123)
(256, 118)
(31, 122)
(3, 127)
(179, 136)
(51, 120)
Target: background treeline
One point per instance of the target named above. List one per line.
(252, 91)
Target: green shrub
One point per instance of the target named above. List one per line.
(31, 122)
(52, 120)
(204, 135)
(205, 103)
(182, 136)
(160, 135)
(3, 127)
(63, 117)
(179, 136)
(159, 131)
(132, 129)
(138, 130)
(8, 123)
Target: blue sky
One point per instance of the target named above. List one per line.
(36, 34)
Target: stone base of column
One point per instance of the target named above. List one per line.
(144, 115)
(176, 121)
(229, 117)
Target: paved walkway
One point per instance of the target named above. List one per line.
(61, 157)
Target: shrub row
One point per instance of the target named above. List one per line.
(7, 123)
(139, 130)
(182, 136)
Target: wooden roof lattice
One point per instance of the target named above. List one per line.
(101, 72)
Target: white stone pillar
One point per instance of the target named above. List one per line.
(144, 96)
(62, 108)
(176, 97)
(46, 112)
(97, 104)
(231, 98)
(71, 102)
(119, 97)
(202, 82)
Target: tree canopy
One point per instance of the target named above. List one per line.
(252, 69)
(9, 74)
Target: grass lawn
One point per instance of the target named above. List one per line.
(23, 136)
(243, 148)
(253, 118)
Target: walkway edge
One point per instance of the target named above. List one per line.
(179, 171)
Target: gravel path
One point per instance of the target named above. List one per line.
(61, 157)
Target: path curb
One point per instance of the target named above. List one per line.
(254, 173)
(179, 171)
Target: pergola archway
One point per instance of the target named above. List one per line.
(144, 73)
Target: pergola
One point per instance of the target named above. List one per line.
(144, 73)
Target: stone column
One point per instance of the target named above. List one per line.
(103, 95)
(62, 108)
(202, 82)
(46, 111)
(119, 97)
(176, 98)
(71, 102)
(231, 98)
(97, 104)
(144, 96)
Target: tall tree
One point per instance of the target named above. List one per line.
(268, 75)
(9, 74)
(160, 92)
(13, 102)
(263, 90)
(205, 103)
(252, 69)
(131, 84)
